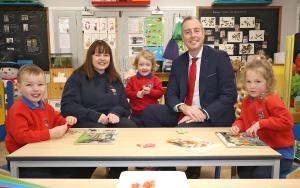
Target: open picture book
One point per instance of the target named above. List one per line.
(241, 140)
(97, 136)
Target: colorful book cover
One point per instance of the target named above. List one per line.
(241, 140)
(97, 136)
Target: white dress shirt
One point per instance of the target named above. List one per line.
(196, 96)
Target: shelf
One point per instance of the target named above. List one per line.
(100, 3)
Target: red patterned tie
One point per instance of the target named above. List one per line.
(191, 85)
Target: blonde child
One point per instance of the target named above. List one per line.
(32, 120)
(144, 88)
(264, 115)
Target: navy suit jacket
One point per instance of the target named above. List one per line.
(217, 88)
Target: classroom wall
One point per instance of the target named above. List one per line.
(289, 19)
(290, 12)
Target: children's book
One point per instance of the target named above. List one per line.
(188, 143)
(240, 140)
(97, 136)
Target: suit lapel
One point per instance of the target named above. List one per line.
(203, 71)
(184, 78)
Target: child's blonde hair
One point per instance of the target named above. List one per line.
(262, 65)
(147, 55)
(29, 69)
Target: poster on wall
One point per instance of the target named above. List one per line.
(153, 31)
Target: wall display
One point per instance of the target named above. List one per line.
(146, 33)
(99, 29)
(24, 31)
(64, 34)
(136, 35)
(242, 31)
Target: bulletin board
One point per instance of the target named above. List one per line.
(24, 32)
(242, 31)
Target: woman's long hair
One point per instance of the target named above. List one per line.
(101, 47)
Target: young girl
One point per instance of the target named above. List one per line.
(144, 88)
(264, 115)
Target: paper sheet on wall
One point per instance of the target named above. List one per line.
(136, 39)
(111, 23)
(103, 25)
(63, 25)
(64, 41)
(103, 36)
(90, 25)
(87, 41)
(112, 40)
(133, 25)
(95, 25)
(95, 36)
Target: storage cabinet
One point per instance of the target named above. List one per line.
(55, 90)
(58, 77)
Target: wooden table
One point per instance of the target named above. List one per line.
(211, 183)
(124, 152)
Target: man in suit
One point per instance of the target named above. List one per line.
(205, 99)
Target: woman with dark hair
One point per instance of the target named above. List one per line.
(95, 94)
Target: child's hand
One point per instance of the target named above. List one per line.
(71, 120)
(252, 131)
(58, 131)
(140, 94)
(113, 119)
(103, 119)
(146, 90)
(234, 130)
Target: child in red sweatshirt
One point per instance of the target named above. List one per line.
(144, 88)
(264, 115)
(32, 120)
